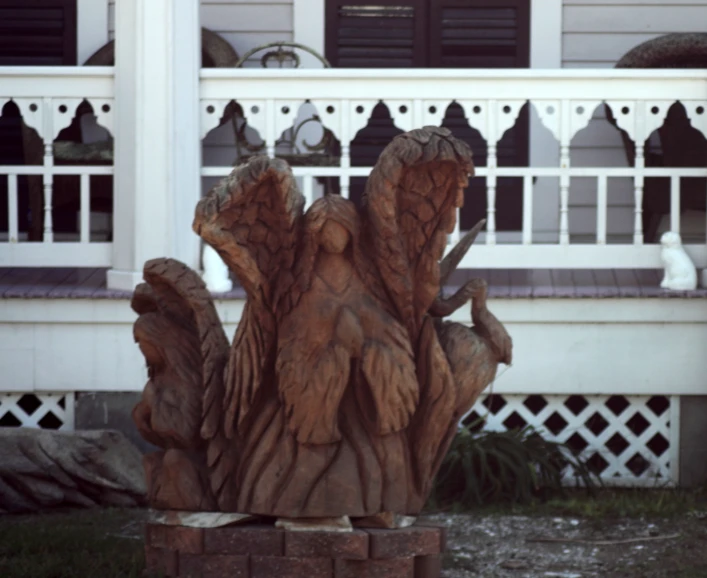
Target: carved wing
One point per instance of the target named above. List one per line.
(253, 219)
(183, 341)
(410, 206)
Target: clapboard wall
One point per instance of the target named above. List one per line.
(244, 23)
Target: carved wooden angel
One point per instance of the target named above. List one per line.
(343, 388)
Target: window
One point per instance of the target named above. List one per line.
(437, 34)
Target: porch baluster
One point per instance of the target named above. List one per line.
(347, 136)
(491, 164)
(270, 131)
(675, 204)
(564, 172)
(13, 233)
(48, 177)
(601, 209)
(527, 210)
(638, 195)
(308, 189)
(85, 208)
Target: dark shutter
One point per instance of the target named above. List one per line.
(479, 34)
(376, 34)
(37, 32)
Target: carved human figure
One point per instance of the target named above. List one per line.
(343, 387)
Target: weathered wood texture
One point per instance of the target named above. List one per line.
(341, 391)
(41, 469)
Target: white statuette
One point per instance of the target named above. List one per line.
(215, 271)
(680, 272)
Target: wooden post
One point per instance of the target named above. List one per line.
(157, 145)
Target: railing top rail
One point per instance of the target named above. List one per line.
(458, 73)
(49, 72)
(435, 84)
(56, 82)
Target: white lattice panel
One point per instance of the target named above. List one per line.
(37, 410)
(625, 438)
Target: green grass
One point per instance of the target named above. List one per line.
(76, 544)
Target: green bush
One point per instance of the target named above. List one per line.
(515, 466)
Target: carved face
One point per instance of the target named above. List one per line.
(333, 237)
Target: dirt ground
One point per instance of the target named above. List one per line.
(567, 547)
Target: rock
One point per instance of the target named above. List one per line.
(42, 468)
(338, 524)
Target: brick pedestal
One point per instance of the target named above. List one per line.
(257, 551)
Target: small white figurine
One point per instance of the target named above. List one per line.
(215, 271)
(680, 272)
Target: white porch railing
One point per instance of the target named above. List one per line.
(47, 98)
(564, 100)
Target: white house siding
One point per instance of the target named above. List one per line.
(596, 34)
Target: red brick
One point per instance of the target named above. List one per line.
(244, 541)
(290, 567)
(162, 561)
(442, 532)
(213, 566)
(186, 540)
(404, 542)
(428, 566)
(347, 545)
(390, 568)
(156, 535)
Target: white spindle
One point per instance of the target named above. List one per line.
(564, 196)
(527, 209)
(12, 208)
(48, 190)
(347, 137)
(675, 204)
(270, 130)
(308, 189)
(85, 208)
(638, 195)
(601, 209)
(491, 164)
(565, 137)
(456, 234)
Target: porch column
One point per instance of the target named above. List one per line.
(157, 144)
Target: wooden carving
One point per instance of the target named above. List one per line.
(343, 386)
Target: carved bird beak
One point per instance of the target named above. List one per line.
(450, 263)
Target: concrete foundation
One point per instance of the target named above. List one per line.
(693, 433)
(112, 410)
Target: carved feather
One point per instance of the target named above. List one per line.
(410, 206)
